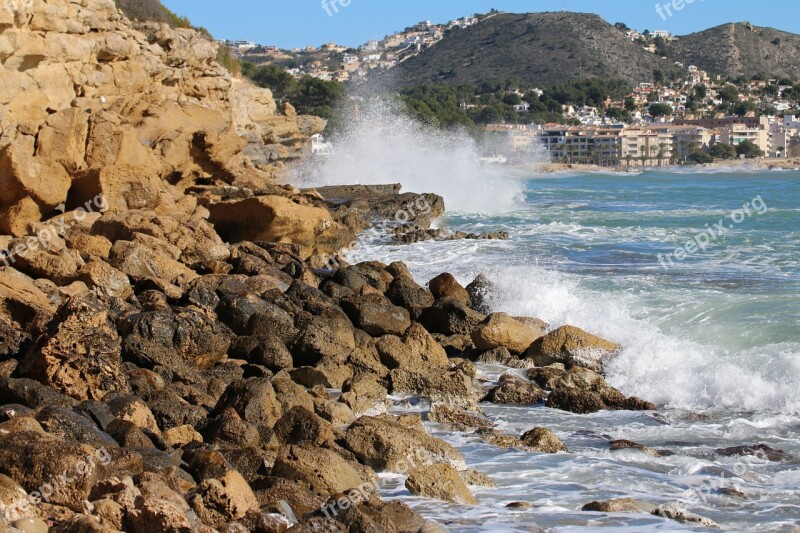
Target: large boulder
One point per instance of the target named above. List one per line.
(406, 293)
(441, 482)
(81, 353)
(397, 445)
(254, 400)
(446, 286)
(417, 351)
(572, 346)
(23, 302)
(279, 219)
(323, 471)
(376, 315)
(501, 330)
(450, 317)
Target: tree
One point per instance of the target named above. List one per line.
(630, 104)
(723, 151)
(617, 114)
(660, 110)
(512, 99)
(729, 93)
(273, 77)
(700, 157)
(700, 91)
(749, 149)
(658, 76)
(744, 107)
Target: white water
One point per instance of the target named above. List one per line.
(383, 146)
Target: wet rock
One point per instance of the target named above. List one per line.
(364, 394)
(674, 512)
(617, 445)
(386, 443)
(572, 347)
(336, 413)
(405, 519)
(576, 401)
(450, 317)
(514, 390)
(761, 451)
(441, 482)
(622, 505)
(501, 356)
(480, 291)
(458, 418)
(80, 355)
(500, 330)
(376, 315)
(543, 440)
(323, 471)
(453, 386)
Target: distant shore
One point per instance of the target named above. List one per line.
(739, 164)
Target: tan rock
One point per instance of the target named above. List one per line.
(446, 286)
(121, 187)
(141, 262)
(441, 482)
(324, 471)
(500, 330)
(63, 138)
(573, 347)
(22, 301)
(279, 219)
(227, 498)
(23, 175)
(543, 440)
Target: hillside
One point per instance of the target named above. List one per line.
(540, 48)
(741, 49)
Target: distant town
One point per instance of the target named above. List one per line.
(694, 118)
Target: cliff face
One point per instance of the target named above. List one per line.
(93, 103)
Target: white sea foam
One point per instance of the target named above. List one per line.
(382, 145)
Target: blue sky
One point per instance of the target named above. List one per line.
(297, 23)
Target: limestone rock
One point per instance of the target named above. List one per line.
(572, 347)
(441, 482)
(500, 330)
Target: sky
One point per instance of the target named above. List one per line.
(300, 23)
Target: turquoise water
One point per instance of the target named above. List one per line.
(713, 339)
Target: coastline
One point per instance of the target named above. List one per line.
(732, 164)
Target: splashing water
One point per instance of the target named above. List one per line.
(382, 145)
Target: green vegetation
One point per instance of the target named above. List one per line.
(723, 151)
(660, 110)
(310, 96)
(700, 157)
(490, 102)
(749, 149)
(151, 10)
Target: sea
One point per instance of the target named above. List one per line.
(695, 272)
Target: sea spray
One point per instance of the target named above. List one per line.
(379, 144)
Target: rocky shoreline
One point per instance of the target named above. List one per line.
(182, 348)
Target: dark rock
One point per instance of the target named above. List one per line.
(228, 430)
(762, 451)
(406, 293)
(576, 401)
(128, 435)
(446, 286)
(376, 315)
(31, 394)
(617, 445)
(542, 440)
(450, 317)
(303, 427)
(514, 390)
(255, 401)
(458, 418)
(331, 335)
(480, 291)
(66, 424)
(269, 351)
(14, 342)
(171, 411)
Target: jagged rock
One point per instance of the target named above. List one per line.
(543, 440)
(66, 424)
(142, 262)
(572, 347)
(617, 445)
(323, 471)
(479, 292)
(107, 280)
(23, 303)
(303, 427)
(279, 219)
(458, 418)
(501, 356)
(193, 336)
(385, 443)
(762, 451)
(406, 293)
(34, 459)
(254, 400)
(416, 351)
(229, 430)
(331, 335)
(363, 394)
(450, 317)
(514, 390)
(500, 330)
(31, 394)
(80, 355)
(446, 286)
(674, 512)
(451, 386)
(441, 482)
(228, 498)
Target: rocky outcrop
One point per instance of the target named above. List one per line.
(572, 346)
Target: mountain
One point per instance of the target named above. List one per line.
(733, 50)
(541, 48)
